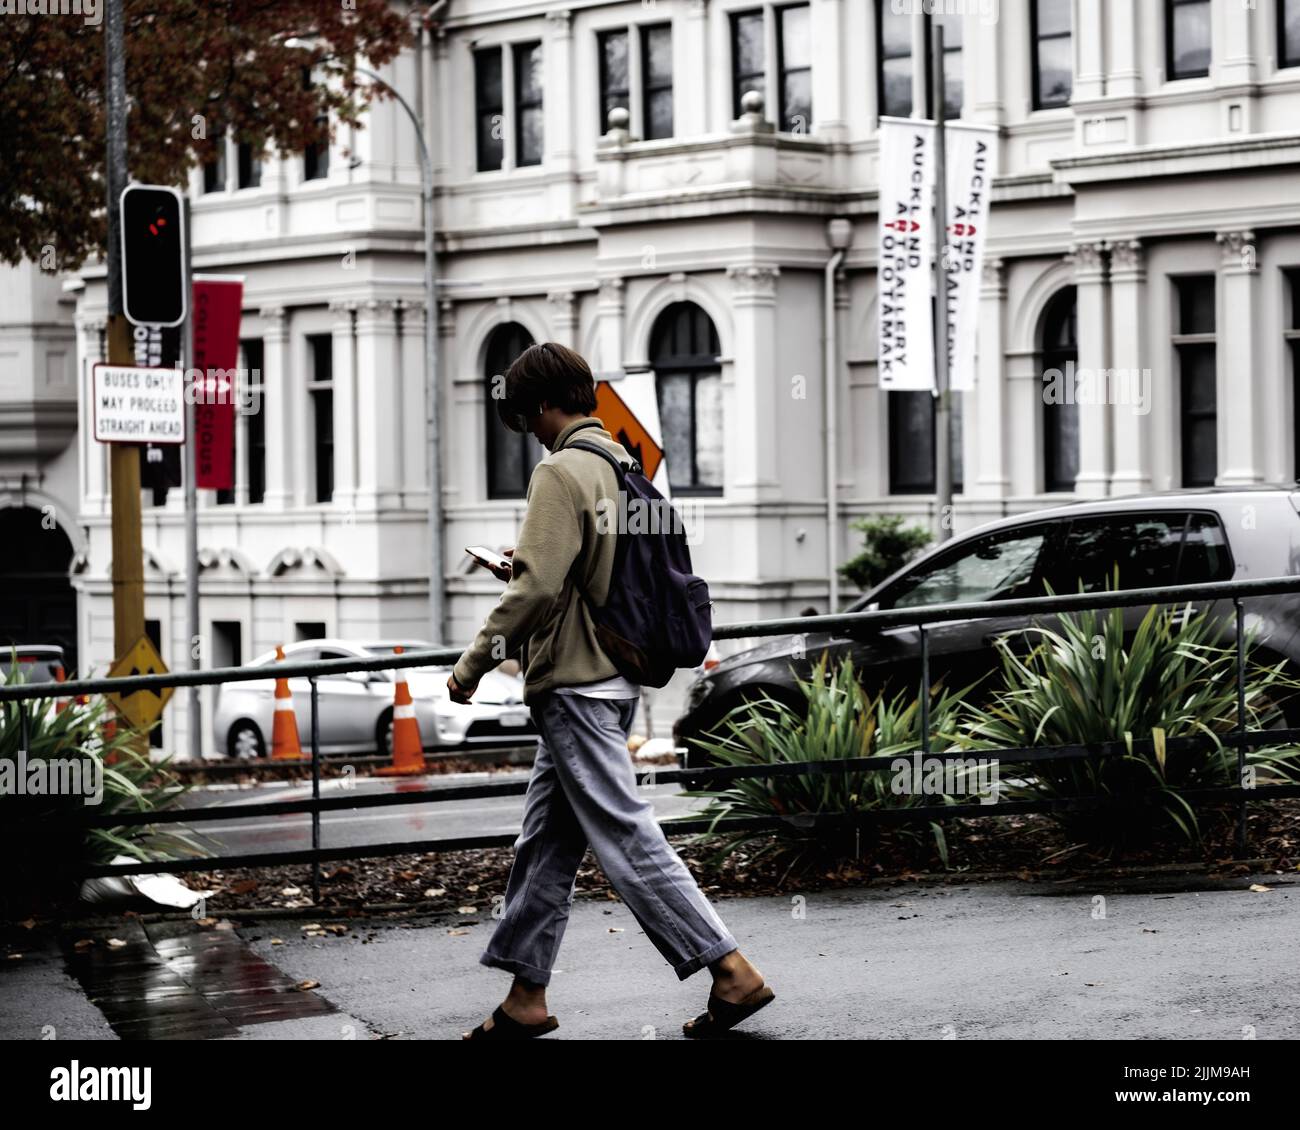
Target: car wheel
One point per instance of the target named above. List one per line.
(244, 741)
(384, 734)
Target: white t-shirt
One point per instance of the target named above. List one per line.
(614, 687)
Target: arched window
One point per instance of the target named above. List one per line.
(688, 380)
(511, 457)
(1059, 357)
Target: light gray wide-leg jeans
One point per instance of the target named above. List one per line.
(583, 790)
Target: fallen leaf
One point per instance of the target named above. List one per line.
(456, 933)
(467, 910)
(1259, 887)
(306, 985)
(116, 943)
(291, 892)
(435, 892)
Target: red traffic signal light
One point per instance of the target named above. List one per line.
(153, 255)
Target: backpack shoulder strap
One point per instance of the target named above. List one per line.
(608, 457)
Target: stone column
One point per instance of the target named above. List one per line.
(559, 97)
(984, 431)
(1234, 68)
(828, 40)
(691, 107)
(376, 406)
(1123, 72)
(413, 408)
(345, 395)
(1241, 380)
(564, 317)
(1131, 381)
(1089, 49)
(984, 100)
(281, 402)
(1094, 337)
(94, 456)
(609, 311)
(751, 413)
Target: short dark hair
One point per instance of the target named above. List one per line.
(546, 373)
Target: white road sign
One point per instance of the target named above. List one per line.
(135, 405)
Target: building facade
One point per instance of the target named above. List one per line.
(607, 178)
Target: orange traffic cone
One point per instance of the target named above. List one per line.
(408, 750)
(284, 727)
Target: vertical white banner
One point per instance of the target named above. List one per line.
(906, 242)
(972, 157)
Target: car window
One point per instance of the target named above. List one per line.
(1001, 566)
(1119, 551)
(1205, 552)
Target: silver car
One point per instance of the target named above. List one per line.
(356, 709)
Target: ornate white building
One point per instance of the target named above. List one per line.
(1147, 218)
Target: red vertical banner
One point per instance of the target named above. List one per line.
(217, 303)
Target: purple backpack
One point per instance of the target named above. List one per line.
(658, 615)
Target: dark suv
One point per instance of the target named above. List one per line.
(1154, 541)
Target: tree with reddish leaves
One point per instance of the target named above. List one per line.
(194, 69)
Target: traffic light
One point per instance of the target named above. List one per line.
(153, 255)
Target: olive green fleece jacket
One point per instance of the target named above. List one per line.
(564, 537)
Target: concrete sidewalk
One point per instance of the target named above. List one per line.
(1011, 960)
(1155, 959)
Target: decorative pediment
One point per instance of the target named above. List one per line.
(304, 559)
(226, 558)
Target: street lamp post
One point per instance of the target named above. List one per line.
(433, 437)
(433, 431)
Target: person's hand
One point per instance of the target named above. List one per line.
(458, 693)
(504, 573)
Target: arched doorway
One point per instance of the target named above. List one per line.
(38, 604)
(510, 457)
(1059, 354)
(688, 382)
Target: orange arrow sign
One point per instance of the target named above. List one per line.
(627, 429)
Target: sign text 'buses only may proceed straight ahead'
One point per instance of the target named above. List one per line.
(135, 405)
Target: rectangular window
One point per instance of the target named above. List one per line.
(1194, 344)
(227, 643)
(1053, 53)
(321, 391)
(255, 420)
(1187, 38)
(214, 170)
(912, 442)
(657, 81)
(895, 52)
(250, 165)
(794, 66)
(528, 104)
(953, 80)
(748, 58)
(309, 630)
(612, 48)
(489, 108)
(316, 159)
(1288, 33)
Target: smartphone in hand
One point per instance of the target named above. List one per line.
(499, 565)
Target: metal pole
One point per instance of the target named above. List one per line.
(1241, 725)
(195, 703)
(123, 458)
(433, 436)
(943, 412)
(315, 788)
(832, 426)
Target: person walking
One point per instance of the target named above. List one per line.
(582, 789)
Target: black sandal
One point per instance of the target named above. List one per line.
(506, 1027)
(725, 1015)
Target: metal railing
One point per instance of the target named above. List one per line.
(847, 624)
